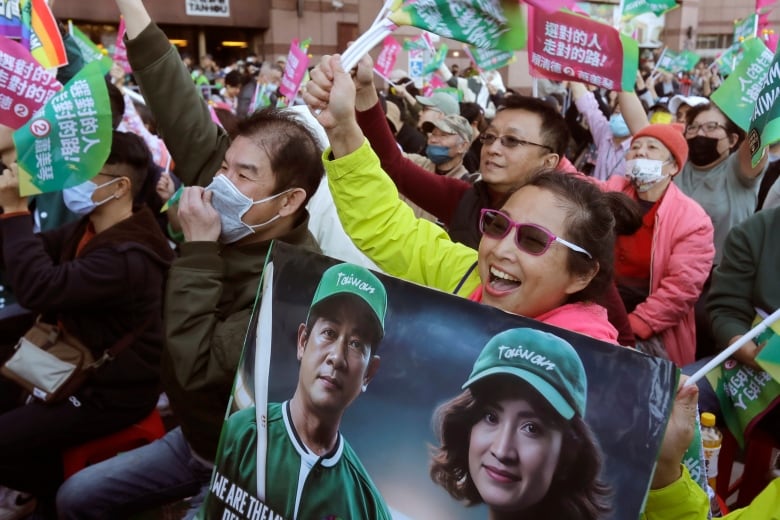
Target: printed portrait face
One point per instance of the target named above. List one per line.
(335, 356)
(513, 454)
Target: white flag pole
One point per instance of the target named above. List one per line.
(720, 358)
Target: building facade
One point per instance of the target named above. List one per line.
(231, 29)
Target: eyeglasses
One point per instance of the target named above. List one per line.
(709, 128)
(532, 239)
(508, 141)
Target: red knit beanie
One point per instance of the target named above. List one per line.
(672, 138)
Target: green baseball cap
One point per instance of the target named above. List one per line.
(357, 281)
(543, 360)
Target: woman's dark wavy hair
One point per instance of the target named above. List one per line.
(594, 218)
(576, 491)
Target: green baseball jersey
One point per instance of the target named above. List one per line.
(299, 483)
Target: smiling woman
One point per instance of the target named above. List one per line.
(515, 437)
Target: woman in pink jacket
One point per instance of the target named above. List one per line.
(661, 268)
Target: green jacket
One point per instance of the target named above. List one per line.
(685, 500)
(746, 278)
(387, 231)
(211, 287)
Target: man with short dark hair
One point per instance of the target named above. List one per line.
(310, 469)
(243, 195)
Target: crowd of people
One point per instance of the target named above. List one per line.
(655, 236)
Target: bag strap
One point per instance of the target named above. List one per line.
(465, 277)
(125, 341)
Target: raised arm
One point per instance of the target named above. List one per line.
(195, 142)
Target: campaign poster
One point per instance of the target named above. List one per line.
(432, 344)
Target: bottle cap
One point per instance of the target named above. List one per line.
(708, 419)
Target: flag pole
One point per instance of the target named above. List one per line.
(720, 358)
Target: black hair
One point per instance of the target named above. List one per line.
(130, 150)
(293, 151)
(117, 102)
(553, 130)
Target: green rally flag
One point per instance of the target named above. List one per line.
(765, 121)
(768, 357)
(437, 61)
(728, 60)
(674, 62)
(89, 51)
(737, 96)
(633, 8)
(489, 24)
(490, 59)
(745, 394)
(68, 140)
(745, 28)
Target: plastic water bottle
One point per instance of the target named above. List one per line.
(711, 439)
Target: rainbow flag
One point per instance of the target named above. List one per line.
(41, 34)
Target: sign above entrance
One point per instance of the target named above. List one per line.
(207, 7)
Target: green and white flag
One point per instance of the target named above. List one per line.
(737, 96)
(490, 59)
(68, 140)
(674, 62)
(729, 59)
(765, 121)
(89, 51)
(489, 24)
(745, 28)
(438, 60)
(633, 8)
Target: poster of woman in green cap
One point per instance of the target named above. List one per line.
(334, 408)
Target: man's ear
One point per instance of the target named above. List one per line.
(302, 338)
(292, 201)
(552, 160)
(373, 366)
(124, 187)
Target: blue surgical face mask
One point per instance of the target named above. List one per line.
(437, 153)
(232, 205)
(618, 126)
(78, 199)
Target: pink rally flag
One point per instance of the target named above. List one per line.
(120, 50)
(385, 62)
(25, 86)
(297, 63)
(569, 47)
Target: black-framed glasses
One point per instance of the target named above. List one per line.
(709, 127)
(508, 141)
(531, 238)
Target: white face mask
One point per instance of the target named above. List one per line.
(645, 173)
(78, 198)
(232, 205)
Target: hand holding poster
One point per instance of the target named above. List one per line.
(565, 46)
(68, 140)
(415, 349)
(24, 84)
(737, 96)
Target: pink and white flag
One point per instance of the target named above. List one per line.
(385, 62)
(297, 63)
(25, 86)
(120, 50)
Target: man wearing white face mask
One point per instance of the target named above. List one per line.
(660, 269)
(101, 280)
(243, 195)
